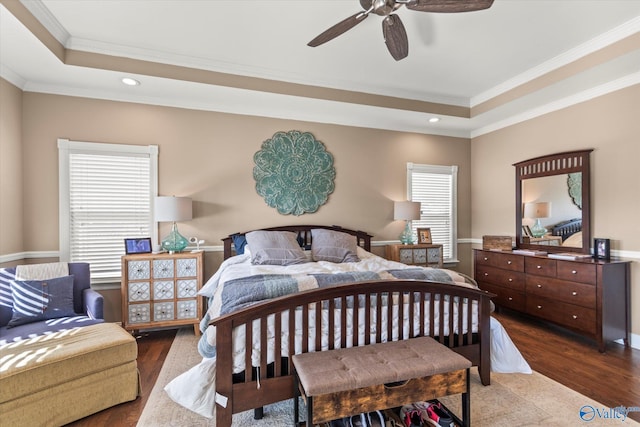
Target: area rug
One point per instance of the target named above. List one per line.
(511, 400)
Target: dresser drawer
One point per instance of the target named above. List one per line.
(507, 278)
(505, 297)
(540, 266)
(500, 260)
(577, 272)
(139, 291)
(569, 315)
(139, 270)
(562, 291)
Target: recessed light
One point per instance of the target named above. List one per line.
(434, 119)
(130, 82)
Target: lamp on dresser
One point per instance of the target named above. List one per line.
(173, 209)
(536, 211)
(406, 211)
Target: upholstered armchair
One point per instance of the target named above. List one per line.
(88, 307)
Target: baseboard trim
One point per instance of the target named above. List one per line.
(634, 341)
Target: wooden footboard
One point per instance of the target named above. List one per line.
(360, 313)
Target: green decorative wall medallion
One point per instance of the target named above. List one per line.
(294, 173)
(574, 182)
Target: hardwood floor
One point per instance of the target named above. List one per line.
(612, 378)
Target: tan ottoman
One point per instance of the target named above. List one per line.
(348, 381)
(54, 379)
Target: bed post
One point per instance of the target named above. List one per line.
(224, 385)
(484, 367)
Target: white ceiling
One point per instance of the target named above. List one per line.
(461, 59)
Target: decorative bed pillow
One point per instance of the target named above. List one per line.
(239, 243)
(275, 248)
(333, 246)
(35, 300)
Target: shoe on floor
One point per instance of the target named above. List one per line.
(437, 413)
(410, 416)
(358, 421)
(375, 419)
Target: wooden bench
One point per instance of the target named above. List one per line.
(348, 381)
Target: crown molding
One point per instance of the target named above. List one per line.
(46, 18)
(619, 33)
(560, 104)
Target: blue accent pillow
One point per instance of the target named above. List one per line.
(35, 300)
(239, 242)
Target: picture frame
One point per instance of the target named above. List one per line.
(137, 246)
(424, 236)
(601, 248)
(526, 231)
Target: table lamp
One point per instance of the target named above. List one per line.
(173, 209)
(407, 211)
(536, 211)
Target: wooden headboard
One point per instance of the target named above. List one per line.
(304, 236)
(567, 228)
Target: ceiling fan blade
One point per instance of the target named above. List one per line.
(448, 6)
(338, 29)
(395, 37)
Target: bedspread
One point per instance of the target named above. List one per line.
(238, 284)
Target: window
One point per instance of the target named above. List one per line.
(435, 188)
(106, 194)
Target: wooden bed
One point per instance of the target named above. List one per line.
(269, 383)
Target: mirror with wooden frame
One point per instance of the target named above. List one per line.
(553, 202)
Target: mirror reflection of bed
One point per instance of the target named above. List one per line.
(564, 224)
(570, 231)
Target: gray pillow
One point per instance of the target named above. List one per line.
(275, 248)
(35, 300)
(333, 246)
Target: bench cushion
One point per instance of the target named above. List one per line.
(40, 363)
(351, 368)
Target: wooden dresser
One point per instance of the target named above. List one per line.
(590, 297)
(161, 290)
(424, 254)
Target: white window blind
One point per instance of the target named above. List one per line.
(106, 195)
(435, 188)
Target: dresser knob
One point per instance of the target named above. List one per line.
(539, 307)
(510, 279)
(539, 286)
(538, 267)
(574, 317)
(486, 274)
(510, 298)
(574, 293)
(509, 262)
(574, 272)
(486, 259)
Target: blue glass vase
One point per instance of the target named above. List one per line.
(406, 237)
(174, 242)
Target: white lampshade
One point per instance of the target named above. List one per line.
(171, 209)
(407, 211)
(537, 210)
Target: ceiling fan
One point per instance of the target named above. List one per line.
(395, 36)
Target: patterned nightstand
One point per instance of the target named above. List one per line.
(422, 254)
(161, 290)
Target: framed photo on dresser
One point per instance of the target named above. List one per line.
(601, 248)
(424, 236)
